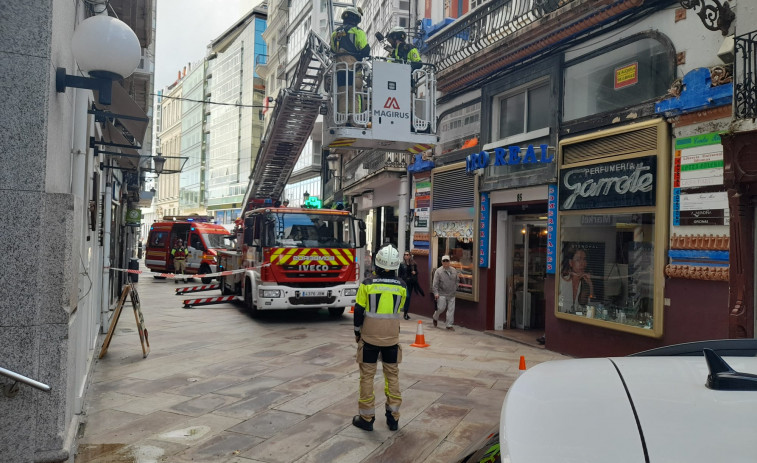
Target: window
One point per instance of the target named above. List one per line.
(455, 239)
(403, 21)
(631, 74)
(522, 112)
(607, 268)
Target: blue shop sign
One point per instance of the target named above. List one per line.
(508, 156)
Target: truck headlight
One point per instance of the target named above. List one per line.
(270, 293)
(350, 292)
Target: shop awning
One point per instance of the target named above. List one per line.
(125, 112)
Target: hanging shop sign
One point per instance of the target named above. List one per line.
(483, 230)
(508, 156)
(627, 183)
(551, 228)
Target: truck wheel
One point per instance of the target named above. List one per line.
(205, 268)
(248, 304)
(224, 291)
(336, 311)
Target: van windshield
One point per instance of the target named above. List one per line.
(218, 240)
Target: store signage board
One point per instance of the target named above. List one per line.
(627, 183)
(508, 156)
(699, 197)
(483, 231)
(551, 228)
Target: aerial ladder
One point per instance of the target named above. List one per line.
(397, 112)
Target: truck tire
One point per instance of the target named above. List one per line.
(205, 268)
(224, 291)
(248, 304)
(336, 311)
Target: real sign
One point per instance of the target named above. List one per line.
(508, 156)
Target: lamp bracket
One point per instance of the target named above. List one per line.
(715, 17)
(93, 144)
(103, 85)
(102, 116)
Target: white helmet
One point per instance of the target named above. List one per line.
(355, 13)
(387, 258)
(397, 32)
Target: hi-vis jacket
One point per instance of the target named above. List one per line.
(377, 310)
(179, 253)
(406, 53)
(350, 41)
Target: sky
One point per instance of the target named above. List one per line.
(185, 27)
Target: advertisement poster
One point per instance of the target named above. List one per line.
(483, 231)
(699, 197)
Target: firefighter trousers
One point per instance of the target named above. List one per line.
(367, 358)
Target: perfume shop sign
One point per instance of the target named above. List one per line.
(627, 183)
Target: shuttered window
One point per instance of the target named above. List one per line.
(453, 189)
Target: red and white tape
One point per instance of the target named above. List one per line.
(225, 273)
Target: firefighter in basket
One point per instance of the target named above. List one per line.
(349, 45)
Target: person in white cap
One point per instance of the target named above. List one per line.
(444, 288)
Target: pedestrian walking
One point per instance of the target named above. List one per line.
(179, 253)
(377, 333)
(444, 288)
(408, 272)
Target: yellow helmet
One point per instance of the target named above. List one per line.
(352, 13)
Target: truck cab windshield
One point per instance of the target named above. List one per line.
(309, 230)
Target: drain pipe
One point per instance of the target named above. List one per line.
(105, 304)
(403, 213)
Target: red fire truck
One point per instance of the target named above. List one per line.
(295, 259)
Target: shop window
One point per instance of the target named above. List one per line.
(607, 268)
(627, 75)
(455, 239)
(522, 111)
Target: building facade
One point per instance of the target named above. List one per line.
(64, 196)
(566, 151)
(235, 126)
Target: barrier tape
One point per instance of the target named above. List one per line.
(225, 273)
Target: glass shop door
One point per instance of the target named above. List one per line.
(525, 286)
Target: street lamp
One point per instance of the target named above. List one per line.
(305, 197)
(107, 49)
(159, 162)
(333, 162)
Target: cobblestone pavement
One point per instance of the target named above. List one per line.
(219, 386)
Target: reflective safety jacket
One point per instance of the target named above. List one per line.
(406, 53)
(378, 306)
(350, 40)
(179, 253)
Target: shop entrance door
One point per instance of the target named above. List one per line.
(525, 285)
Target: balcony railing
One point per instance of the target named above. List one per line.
(745, 75)
(369, 163)
(485, 26)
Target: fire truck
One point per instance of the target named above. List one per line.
(292, 258)
(295, 258)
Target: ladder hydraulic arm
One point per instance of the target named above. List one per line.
(293, 119)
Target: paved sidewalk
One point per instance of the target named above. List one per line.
(219, 386)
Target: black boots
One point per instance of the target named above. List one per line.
(361, 423)
(391, 422)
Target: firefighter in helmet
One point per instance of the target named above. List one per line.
(349, 45)
(378, 306)
(179, 253)
(401, 51)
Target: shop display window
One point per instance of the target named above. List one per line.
(606, 268)
(455, 239)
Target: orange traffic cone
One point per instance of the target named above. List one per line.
(522, 365)
(420, 339)
(352, 309)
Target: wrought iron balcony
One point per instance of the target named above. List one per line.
(370, 163)
(745, 76)
(485, 26)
